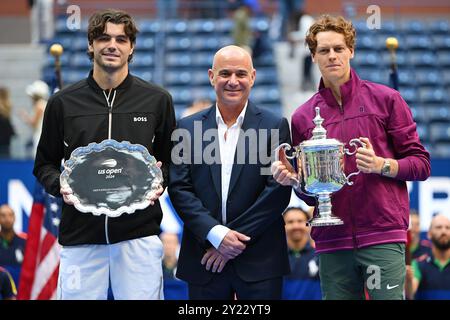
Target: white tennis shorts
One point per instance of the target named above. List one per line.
(133, 266)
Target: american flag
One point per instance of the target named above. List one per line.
(39, 275)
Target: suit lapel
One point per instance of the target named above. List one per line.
(251, 121)
(209, 122)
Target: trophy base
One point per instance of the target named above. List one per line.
(325, 221)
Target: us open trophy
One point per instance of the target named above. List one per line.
(111, 177)
(321, 174)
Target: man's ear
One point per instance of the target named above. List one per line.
(211, 77)
(353, 53)
(312, 57)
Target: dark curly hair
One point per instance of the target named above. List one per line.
(331, 23)
(97, 25)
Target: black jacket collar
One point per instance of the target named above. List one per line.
(123, 85)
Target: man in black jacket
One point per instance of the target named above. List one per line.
(110, 103)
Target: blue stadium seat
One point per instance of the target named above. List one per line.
(421, 41)
(181, 95)
(175, 26)
(265, 60)
(266, 76)
(361, 27)
(443, 59)
(80, 60)
(433, 95)
(79, 43)
(406, 78)
(199, 26)
(438, 114)
(200, 77)
(149, 26)
(145, 43)
(175, 78)
(366, 58)
(202, 59)
(446, 77)
(61, 25)
(441, 42)
(366, 42)
(422, 131)
(410, 95)
(441, 150)
(428, 77)
(440, 132)
(440, 27)
(73, 75)
(389, 28)
(419, 113)
(178, 59)
(142, 73)
(205, 43)
(422, 59)
(224, 25)
(413, 26)
(175, 43)
(142, 59)
(265, 95)
(260, 24)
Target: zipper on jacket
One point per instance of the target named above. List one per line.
(110, 104)
(355, 244)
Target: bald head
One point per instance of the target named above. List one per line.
(232, 52)
(232, 75)
(439, 220)
(439, 232)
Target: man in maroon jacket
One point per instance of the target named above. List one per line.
(367, 251)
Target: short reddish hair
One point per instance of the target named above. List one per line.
(330, 23)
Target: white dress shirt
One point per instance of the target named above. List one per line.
(228, 139)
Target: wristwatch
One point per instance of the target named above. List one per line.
(386, 169)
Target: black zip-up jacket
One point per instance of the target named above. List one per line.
(78, 115)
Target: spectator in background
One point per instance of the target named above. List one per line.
(42, 24)
(285, 8)
(300, 23)
(39, 93)
(196, 106)
(171, 248)
(242, 32)
(12, 245)
(8, 289)
(419, 249)
(6, 128)
(303, 281)
(431, 277)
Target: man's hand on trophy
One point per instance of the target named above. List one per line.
(67, 195)
(366, 159)
(283, 171)
(155, 196)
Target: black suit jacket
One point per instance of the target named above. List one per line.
(255, 201)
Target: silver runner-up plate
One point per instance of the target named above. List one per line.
(111, 177)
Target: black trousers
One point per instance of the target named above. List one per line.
(227, 285)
